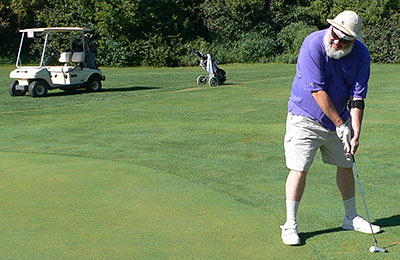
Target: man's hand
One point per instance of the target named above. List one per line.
(344, 133)
(354, 143)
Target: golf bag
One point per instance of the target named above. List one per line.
(216, 76)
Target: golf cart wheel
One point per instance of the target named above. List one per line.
(14, 92)
(93, 84)
(213, 82)
(38, 88)
(201, 80)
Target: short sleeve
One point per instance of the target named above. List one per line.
(360, 86)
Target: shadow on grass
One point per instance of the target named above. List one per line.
(104, 90)
(128, 89)
(230, 84)
(306, 235)
(391, 221)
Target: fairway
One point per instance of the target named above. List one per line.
(156, 167)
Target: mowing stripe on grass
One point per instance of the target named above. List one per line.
(58, 207)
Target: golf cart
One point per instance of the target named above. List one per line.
(68, 62)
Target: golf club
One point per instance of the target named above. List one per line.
(374, 248)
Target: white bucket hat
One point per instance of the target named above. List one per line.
(348, 22)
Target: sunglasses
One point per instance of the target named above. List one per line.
(336, 37)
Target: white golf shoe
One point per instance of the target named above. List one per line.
(359, 224)
(290, 235)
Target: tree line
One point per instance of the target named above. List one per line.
(158, 32)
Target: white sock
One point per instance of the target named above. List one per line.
(291, 212)
(350, 207)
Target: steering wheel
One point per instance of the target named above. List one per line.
(52, 54)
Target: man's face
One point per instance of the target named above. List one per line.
(336, 42)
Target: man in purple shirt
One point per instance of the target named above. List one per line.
(325, 112)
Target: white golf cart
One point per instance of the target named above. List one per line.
(64, 66)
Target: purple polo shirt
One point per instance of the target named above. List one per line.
(340, 78)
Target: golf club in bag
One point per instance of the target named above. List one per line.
(216, 76)
(374, 248)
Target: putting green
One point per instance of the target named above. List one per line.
(155, 167)
(56, 207)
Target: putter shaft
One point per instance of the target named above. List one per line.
(380, 249)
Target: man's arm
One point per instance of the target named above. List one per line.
(326, 105)
(356, 120)
(343, 130)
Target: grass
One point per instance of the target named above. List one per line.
(156, 167)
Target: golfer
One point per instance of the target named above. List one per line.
(325, 112)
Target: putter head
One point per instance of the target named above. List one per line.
(374, 249)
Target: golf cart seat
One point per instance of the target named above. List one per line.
(65, 57)
(78, 57)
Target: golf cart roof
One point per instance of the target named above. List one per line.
(54, 29)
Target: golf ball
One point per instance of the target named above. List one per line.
(372, 249)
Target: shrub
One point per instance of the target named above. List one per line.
(118, 52)
(384, 45)
(188, 58)
(256, 46)
(290, 39)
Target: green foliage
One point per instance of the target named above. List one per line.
(319, 11)
(290, 38)
(157, 32)
(229, 19)
(224, 52)
(382, 31)
(116, 52)
(7, 60)
(256, 46)
(66, 13)
(384, 46)
(159, 53)
(144, 32)
(190, 59)
(9, 20)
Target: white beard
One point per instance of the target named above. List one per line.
(331, 52)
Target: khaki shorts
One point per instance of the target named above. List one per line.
(303, 138)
